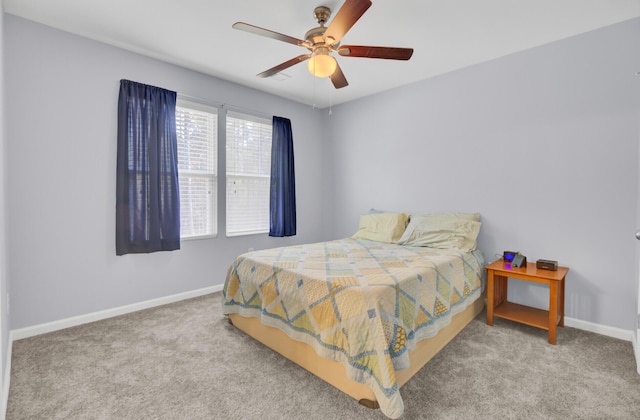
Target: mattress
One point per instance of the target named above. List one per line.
(363, 304)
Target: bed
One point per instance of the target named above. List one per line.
(364, 315)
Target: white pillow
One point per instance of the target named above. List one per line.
(443, 230)
(450, 216)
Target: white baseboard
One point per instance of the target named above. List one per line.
(21, 333)
(619, 333)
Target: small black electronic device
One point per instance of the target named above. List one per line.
(519, 260)
(547, 265)
(507, 256)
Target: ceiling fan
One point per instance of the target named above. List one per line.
(322, 41)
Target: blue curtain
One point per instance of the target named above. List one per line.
(147, 197)
(283, 181)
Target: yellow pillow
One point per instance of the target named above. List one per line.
(382, 227)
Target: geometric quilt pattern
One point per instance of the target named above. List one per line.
(362, 303)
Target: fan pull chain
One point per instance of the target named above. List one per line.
(314, 92)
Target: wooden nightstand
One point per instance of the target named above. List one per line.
(498, 274)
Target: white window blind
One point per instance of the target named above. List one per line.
(197, 134)
(248, 174)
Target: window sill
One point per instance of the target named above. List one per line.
(197, 238)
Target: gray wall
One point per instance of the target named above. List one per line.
(543, 143)
(61, 136)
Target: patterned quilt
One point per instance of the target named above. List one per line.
(364, 304)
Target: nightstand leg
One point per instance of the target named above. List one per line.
(490, 291)
(553, 311)
(502, 285)
(561, 297)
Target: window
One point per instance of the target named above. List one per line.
(248, 174)
(197, 133)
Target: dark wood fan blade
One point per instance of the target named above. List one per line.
(346, 17)
(389, 53)
(338, 79)
(285, 65)
(269, 34)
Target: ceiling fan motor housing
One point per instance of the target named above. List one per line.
(315, 35)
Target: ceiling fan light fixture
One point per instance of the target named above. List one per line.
(321, 64)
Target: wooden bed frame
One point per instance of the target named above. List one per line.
(333, 372)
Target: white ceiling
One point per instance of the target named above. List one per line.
(446, 35)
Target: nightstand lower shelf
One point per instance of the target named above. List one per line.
(524, 314)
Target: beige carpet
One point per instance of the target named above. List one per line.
(184, 361)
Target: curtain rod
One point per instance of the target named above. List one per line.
(224, 105)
